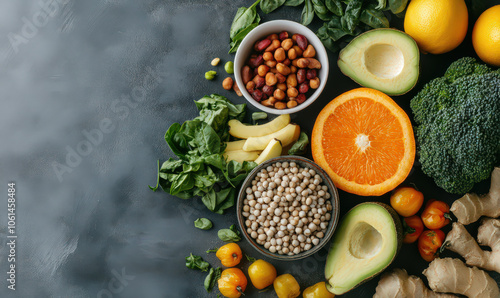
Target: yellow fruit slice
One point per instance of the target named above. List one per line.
(272, 150)
(286, 135)
(235, 145)
(241, 156)
(364, 141)
(242, 131)
(438, 26)
(486, 36)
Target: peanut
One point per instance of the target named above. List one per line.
(301, 76)
(293, 69)
(283, 35)
(281, 86)
(271, 63)
(262, 70)
(267, 103)
(283, 69)
(279, 94)
(311, 74)
(309, 52)
(279, 55)
(237, 89)
(292, 92)
(313, 63)
(291, 81)
(255, 62)
(287, 44)
(272, 99)
(272, 36)
(303, 62)
(250, 86)
(298, 50)
(291, 104)
(227, 83)
(281, 78)
(257, 95)
(280, 105)
(301, 41)
(274, 45)
(259, 81)
(301, 98)
(292, 54)
(287, 62)
(314, 83)
(268, 56)
(271, 79)
(304, 87)
(215, 62)
(261, 45)
(268, 90)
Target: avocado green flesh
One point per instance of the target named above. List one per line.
(382, 59)
(365, 243)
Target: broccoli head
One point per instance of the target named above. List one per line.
(458, 125)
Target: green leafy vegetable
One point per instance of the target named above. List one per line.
(300, 146)
(250, 259)
(293, 2)
(397, 6)
(268, 6)
(201, 169)
(203, 223)
(196, 262)
(307, 13)
(373, 17)
(350, 19)
(212, 278)
(229, 235)
(335, 6)
(212, 250)
(244, 21)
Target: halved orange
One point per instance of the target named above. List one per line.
(364, 141)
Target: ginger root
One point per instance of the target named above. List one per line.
(453, 276)
(461, 242)
(471, 207)
(397, 284)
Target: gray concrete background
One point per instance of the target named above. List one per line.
(88, 89)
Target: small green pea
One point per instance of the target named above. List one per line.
(229, 67)
(210, 75)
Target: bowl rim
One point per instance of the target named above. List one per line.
(325, 67)
(332, 224)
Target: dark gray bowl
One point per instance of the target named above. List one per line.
(334, 197)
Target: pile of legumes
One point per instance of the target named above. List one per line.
(287, 209)
(281, 71)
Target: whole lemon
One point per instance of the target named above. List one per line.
(438, 26)
(486, 36)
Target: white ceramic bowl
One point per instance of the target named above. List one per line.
(246, 47)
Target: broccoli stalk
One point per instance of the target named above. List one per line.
(458, 125)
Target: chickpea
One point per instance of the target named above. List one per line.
(271, 64)
(291, 81)
(227, 83)
(292, 92)
(280, 105)
(250, 86)
(282, 86)
(271, 79)
(291, 104)
(314, 83)
(283, 69)
(262, 70)
(292, 54)
(267, 56)
(287, 44)
(279, 94)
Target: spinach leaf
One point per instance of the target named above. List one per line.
(373, 17)
(245, 31)
(210, 200)
(350, 19)
(299, 147)
(243, 18)
(325, 17)
(234, 45)
(307, 13)
(212, 278)
(397, 6)
(237, 172)
(268, 6)
(381, 4)
(293, 2)
(335, 6)
(319, 7)
(196, 262)
(203, 224)
(229, 235)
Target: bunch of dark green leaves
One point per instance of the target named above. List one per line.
(244, 21)
(344, 19)
(201, 169)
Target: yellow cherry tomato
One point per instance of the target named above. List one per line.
(229, 255)
(317, 291)
(286, 286)
(262, 274)
(407, 201)
(232, 283)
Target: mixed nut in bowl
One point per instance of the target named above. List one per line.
(288, 208)
(281, 67)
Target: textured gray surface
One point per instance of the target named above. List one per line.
(106, 79)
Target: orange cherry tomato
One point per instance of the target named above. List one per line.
(232, 283)
(436, 215)
(407, 201)
(413, 227)
(229, 255)
(429, 243)
(262, 274)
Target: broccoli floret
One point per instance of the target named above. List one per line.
(458, 125)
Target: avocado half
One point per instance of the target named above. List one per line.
(366, 242)
(383, 59)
